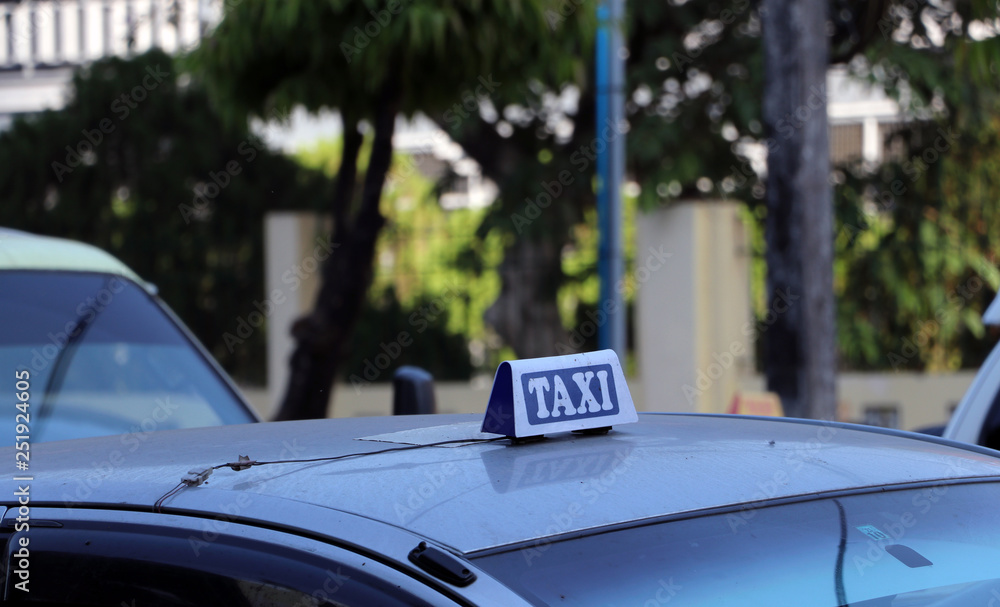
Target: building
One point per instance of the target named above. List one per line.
(43, 41)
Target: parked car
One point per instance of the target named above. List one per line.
(677, 509)
(103, 353)
(977, 418)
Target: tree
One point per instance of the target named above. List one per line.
(800, 358)
(426, 301)
(917, 264)
(372, 63)
(683, 142)
(694, 107)
(692, 70)
(922, 242)
(140, 165)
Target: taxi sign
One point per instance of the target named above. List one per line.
(574, 392)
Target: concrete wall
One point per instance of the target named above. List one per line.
(919, 399)
(923, 400)
(692, 313)
(295, 246)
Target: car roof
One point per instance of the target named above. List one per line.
(481, 496)
(24, 251)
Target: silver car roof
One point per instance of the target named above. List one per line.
(479, 496)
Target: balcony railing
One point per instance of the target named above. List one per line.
(40, 34)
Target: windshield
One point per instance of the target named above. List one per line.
(104, 359)
(932, 546)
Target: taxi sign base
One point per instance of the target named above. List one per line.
(583, 393)
(500, 411)
(524, 440)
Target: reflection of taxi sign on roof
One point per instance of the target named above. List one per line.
(576, 392)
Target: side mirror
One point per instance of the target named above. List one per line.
(412, 391)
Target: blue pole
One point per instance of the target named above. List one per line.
(609, 80)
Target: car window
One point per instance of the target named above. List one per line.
(929, 546)
(104, 358)
(224, 564)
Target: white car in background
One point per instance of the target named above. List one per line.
(103, 353)
(977, 418)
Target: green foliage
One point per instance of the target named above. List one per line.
(423, 283)
(444, 59)
(341, 53)
(581, 292)
(695, 83)
(916, 267)
(421, 255)
(580, 295)
(916, 264)
(389, 336)
(164, 186)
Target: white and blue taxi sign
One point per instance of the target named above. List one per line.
(575, 392)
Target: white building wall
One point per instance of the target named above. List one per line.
(693, 313)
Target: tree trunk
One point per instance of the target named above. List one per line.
(526, 314)
(800, 346)
(322, 335)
